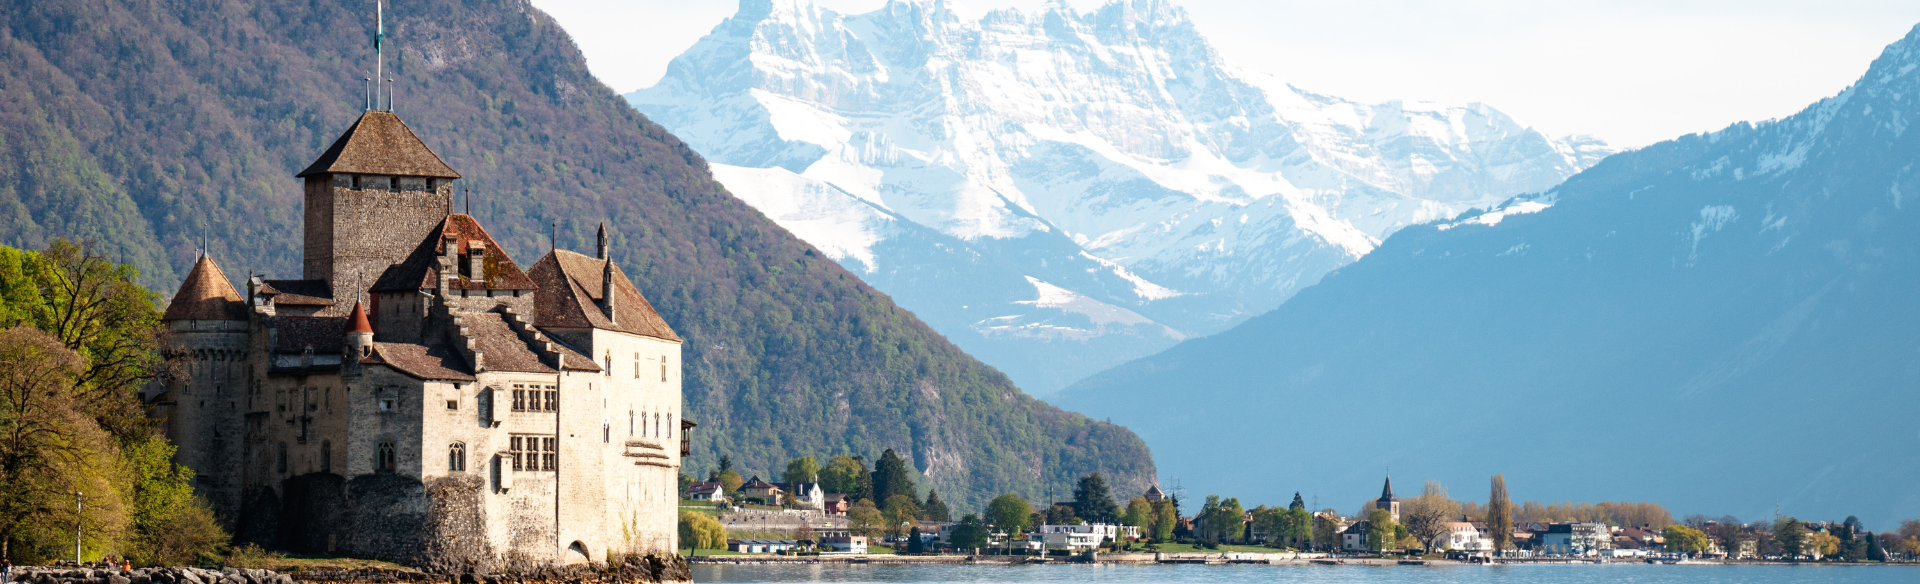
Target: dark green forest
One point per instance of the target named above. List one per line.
(149, 126)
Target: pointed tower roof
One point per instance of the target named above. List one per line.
(1386, 492)
(379, 143)
(206, 295)
(357, 320)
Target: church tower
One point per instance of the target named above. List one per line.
(206, 396)
(1387, 501)
(370, 198)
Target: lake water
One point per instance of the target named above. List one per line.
(1180, 574)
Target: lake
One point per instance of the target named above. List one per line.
(1177, 574)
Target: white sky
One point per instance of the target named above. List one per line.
(1632, 72)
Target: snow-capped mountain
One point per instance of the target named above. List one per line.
(1723, 323)
(1059, 192)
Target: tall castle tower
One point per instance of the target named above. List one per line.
(370, 198)
(207, 334)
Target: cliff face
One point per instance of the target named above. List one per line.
(154, 126)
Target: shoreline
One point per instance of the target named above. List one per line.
(1213, 559)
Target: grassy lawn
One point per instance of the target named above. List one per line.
(717, 553)
(879, 549)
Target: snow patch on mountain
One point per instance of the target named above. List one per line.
(1110, 153)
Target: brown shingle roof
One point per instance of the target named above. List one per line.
(419, 361)
(327, 334)
(570, 290)
(206, 295)
(501, 348)
(379, 143)
(421, 269)
(298, 292)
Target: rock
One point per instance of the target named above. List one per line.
(118, 579)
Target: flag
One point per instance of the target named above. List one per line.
(380, 24)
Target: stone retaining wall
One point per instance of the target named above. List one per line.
(633, 570)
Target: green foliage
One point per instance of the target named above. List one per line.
(1093, 502)
(914, 544)
(1220, 519)
(1500, 515)
(971, 533)
(864, 519)
(170, 526)
(1009, 513)
(900, 510)
(150, 127)
(847, 475)
(1383, 532)
(1139, 514)
(802, 470)
(935, 509)
(1283, 526)
(1061, 515)
(1166, 517)
(731, 481)
(891, 478)
(701, 531)
(1683, 539)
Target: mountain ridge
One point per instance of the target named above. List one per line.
(155, 126)
(1111, 154)
(1731, 308)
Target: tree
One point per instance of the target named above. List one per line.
(726, 463)
(1683, 539)
(848, 476)
(901, 512)
(1093, 502)
(170, 526)
(1166, 517)
(1220, 519)
(891, 478)
(1326, 529)
(802, 470)
(866, 520)
(701, 531)
(1427, 515)
(1791, 535)
(971, 533)
(1139, 514)
(914, 544)
(1500, 515)
(1008, 513)
(97, 310)
(1729, 536)
(731, 481)
(1061, 515)
(50, 448)
(1823, 543)
(935, 509)
(1382, 532)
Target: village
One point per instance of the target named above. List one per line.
(729, 519)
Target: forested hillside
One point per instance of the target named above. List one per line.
(150, 125)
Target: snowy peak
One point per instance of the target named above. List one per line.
(1110, 153)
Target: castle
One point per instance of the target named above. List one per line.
(416, 396)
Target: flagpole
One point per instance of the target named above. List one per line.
(379, 54)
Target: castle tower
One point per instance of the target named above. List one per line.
(370, 198)
(207, 383)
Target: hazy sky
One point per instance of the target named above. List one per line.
(1632, 72)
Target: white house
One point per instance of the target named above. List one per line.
(704, 491)
(1575, 538)
(844, 544)
(1079, 537)
(1461, 536)
(805, 495)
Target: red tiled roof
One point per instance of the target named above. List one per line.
(421, 269)
(570, 287)
(206, 295)
(379, 143)
(420, 361)
(500, 347)
(357, 320)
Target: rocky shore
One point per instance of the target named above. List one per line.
(637, 570)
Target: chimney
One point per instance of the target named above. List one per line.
(606, 284)
(476, 260)
(603, 240)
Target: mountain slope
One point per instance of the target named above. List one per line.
(1720, 323)
(1059, 191)
(150, 125)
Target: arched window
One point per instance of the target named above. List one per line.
(281, 465)
(384, 458)
(457, 457)
(609, 359)
(326, 456)
(656, 425)
(669, 426)
(629, 423)
(606, 432)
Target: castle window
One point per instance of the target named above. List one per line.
(534, 453)
(519, 398)
(387, 404)
(629, 422)
(384, 458)
(609, 367)
(453, 405)
(457, 457)
(553, 399)
(669, 426)
(663, 368)
(606, 432)
(656, 425)
(516, 448)
(326, 456)
(281, 465)
(549, 453)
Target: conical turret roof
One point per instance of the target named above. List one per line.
(357, 320)
(206, 295)
(379, 143)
